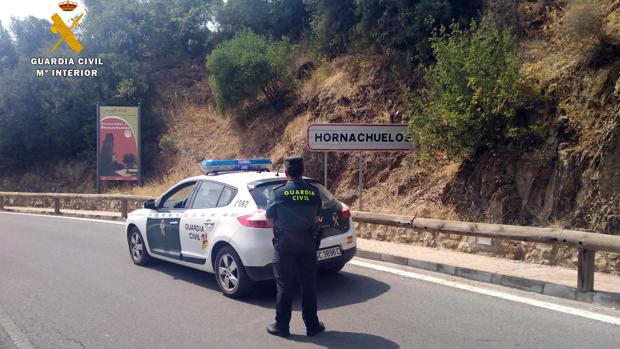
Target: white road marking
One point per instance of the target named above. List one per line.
(507, 296)
(64, 217)
(18, 337)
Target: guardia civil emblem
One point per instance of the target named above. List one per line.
(162, 228)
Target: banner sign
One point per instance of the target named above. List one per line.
(118, 152)
(358, 137)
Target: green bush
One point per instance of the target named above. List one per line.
(166, 143)
(248, 64)
(472, 91)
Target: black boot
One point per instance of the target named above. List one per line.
(275, 330)
(316, 329)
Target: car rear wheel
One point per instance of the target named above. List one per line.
(230, 273)
(137, 247)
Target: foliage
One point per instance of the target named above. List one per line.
(166, 143)
(473, 90)
(331, 23)
(8, 53)
(274, 19)
(248, 64)
(405, 26)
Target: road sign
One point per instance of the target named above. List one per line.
(358, 137)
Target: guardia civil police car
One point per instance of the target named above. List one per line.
(216, 223)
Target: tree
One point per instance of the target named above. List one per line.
(8, 54)
(331, 23)
(248, 64)
(272, 18)
(406, 26)
(473, 91)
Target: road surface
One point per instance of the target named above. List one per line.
(69, 283)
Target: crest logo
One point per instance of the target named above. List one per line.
(68, 5)
(66, 34)
(162, 228)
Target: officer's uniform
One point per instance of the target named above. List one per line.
(294, 207)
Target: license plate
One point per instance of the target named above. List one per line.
(327, 253)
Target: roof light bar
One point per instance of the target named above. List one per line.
(211, 166)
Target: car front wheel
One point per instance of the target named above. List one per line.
(230, 273)
(137, 247)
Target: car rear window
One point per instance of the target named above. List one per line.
(261, 191)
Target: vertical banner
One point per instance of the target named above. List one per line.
(118, 144)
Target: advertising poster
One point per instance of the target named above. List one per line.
(119, 149)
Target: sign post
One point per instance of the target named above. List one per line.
(358, 138)
(325, 169)
(98, 185)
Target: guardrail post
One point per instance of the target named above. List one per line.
(124, 208)
(585, 270)
(56, 206)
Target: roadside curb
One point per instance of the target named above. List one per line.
(606, 299)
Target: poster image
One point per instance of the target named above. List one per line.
(119, 156)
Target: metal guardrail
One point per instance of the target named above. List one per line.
(56, 197)
(586, 243)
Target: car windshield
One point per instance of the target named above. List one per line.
(261, 191)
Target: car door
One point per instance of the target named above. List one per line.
(199, 222)
(162, 226)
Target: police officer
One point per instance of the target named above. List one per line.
(294, 210)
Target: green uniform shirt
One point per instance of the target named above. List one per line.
(294, 206)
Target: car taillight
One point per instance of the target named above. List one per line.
(255, 220)
(345, 213)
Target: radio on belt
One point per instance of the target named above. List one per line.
(213, 166)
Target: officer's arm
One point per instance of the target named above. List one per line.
(270, 212)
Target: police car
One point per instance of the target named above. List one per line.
(216, 222)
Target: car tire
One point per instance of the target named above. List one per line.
(230, 273)
(137, 247)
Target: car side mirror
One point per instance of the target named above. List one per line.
(150, 204)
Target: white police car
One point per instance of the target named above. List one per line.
(216, 222)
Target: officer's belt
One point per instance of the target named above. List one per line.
(296, 232)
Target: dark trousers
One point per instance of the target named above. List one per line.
(293, 269)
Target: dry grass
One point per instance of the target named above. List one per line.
(329, 79)
(583, 20)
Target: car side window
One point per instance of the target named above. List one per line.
(207, 196)
(227, 195)
(179, 196)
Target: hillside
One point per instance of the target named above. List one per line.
(570, 179)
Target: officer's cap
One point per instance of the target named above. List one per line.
(294, 162)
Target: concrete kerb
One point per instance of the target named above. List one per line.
(606, 299)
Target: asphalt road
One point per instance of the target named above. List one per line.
(71, 284)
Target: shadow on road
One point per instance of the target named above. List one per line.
(333, 290)
(341, 340)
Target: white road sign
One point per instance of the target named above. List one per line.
(358, 137)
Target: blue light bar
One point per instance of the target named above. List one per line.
(211, 166)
